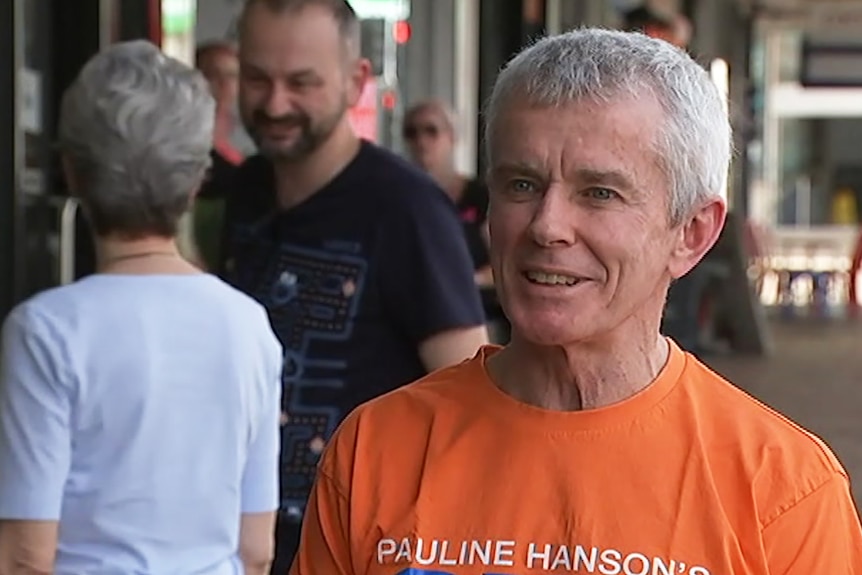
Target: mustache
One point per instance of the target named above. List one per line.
(290, 120)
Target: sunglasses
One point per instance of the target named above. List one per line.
(413, 132)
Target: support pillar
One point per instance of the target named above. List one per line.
(503, 31)
(8, 237)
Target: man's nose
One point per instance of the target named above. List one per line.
(279, 102)
(554, 221)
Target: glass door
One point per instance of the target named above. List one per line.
(36, 246)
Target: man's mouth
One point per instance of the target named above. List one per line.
(279, 127)
(552, 279)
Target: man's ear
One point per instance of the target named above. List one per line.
(696, 236)
(359, 76)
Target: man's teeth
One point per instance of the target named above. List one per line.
(551, 279)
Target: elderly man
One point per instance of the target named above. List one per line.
(590, 443)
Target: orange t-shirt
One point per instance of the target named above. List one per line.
(691, 476)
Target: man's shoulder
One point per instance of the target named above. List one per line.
(751, 419)
(407, 416)
(429, 392)
(398, 182)
(383, 164)
(389, 183)
(420, 402)
(782, 457)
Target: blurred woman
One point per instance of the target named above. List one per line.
(429, 132)
(139, 407)
(219, 64)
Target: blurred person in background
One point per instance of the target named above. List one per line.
(219, 64)
(358, 256)
(139, 407)
(673, 28)
(430, 131)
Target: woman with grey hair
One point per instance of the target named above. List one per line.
(430, 128)
(139, 407)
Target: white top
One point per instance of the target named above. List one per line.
(142, 413)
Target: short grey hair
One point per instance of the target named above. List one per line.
(694, 140)
(137, 129)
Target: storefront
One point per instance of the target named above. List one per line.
(447, 49)
(29, 211)
(44, 240)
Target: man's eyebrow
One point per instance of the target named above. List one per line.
(600, 177)
(522, 168)
(301, 74)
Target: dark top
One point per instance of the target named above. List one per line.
(209, 208)
(354, 278)
(219, 180)
(473, 210)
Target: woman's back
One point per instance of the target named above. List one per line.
(149, 409)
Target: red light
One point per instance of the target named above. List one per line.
(387, 100)
(401, 31)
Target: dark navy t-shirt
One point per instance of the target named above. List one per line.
(354, 278)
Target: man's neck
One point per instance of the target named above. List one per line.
(298, 181)
(586, 375)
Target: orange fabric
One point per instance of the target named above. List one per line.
(689, 477)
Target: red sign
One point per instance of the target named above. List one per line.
(363, 116)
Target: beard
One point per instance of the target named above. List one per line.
(312, 134)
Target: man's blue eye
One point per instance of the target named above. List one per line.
(522, 186)
(602, 194)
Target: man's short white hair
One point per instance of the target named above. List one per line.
(693, 141)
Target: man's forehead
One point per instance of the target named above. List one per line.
(221, 62)
(579, 128)
(553, 106)
(595, 154)
(310, 28)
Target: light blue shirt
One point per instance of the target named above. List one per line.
(142, 413)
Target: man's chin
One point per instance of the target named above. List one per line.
(279, 153)
(550, 330)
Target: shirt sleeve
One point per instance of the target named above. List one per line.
(35, 414)
(260, 484)
(324, 547)
(428, 282)
(820, 534)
